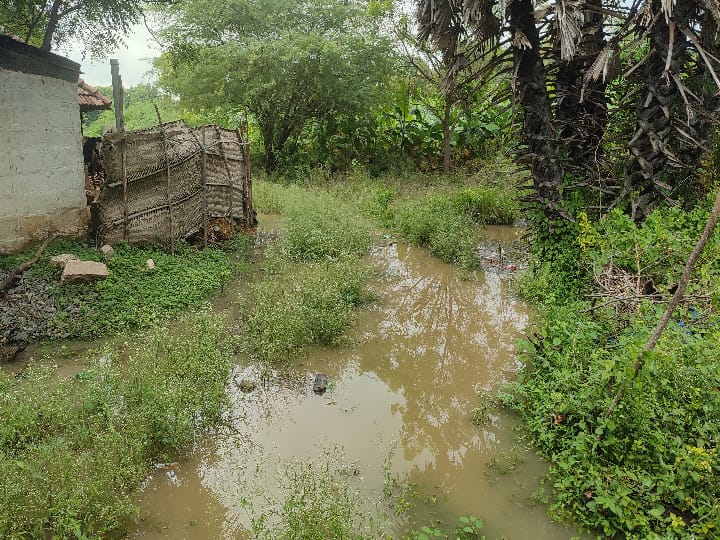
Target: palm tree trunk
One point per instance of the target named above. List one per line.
(538, 123)
(447, 157)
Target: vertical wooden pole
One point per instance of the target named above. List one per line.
(247, 184)
(221, 142)
(203, 173)
(117, 96)
(168, 188)
(123, 161)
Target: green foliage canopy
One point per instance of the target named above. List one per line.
(286, 63)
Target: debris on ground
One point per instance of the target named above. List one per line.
(76, 271)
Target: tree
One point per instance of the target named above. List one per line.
(455, 73)
(564, 55)
(288, 63)
(99, 23)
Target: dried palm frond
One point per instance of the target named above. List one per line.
(520, 40)
(667, 8)
(603, 66)
(569, 21)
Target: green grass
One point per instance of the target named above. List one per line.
(317, 504)
(74, 451)
(132, 296)
(314, 273)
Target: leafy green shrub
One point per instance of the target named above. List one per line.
(435, 222)
(651, 468)
(72, 452)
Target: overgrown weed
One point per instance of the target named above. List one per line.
(314, 274)
(73, 452)
(651, 468)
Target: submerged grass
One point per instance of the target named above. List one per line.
(73, 452)
(314, 273)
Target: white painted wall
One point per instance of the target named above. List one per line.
(42, 183)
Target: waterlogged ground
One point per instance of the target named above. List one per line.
(395, 423)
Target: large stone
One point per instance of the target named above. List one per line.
(108, 252)
(83, 271)
(61, 260)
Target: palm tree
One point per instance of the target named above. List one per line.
(565, 52)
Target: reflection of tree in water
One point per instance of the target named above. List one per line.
(438, 340)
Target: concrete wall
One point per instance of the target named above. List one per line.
(42, 184)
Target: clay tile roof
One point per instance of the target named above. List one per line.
(90, 98)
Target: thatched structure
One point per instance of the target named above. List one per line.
(168, 182)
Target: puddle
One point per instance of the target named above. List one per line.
(399, 403)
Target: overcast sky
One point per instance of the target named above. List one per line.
(134, 58)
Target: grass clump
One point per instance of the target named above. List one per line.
(314, 273)
(302, 305)
(651, 469)
(435, 222)
(73, 451)
(317, 504)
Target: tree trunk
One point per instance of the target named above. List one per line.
(582, 115)
(53, 20)
(538, 123)
(447, 156)
(651, 144)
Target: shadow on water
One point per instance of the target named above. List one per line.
(399, 404)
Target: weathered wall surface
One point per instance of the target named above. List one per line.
(41, 169)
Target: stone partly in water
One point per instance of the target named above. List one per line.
(320, 384)
(60, 261)
(246, 385)
(83, 271)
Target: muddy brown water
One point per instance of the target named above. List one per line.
(399, 405)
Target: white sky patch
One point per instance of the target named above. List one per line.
(135, 59)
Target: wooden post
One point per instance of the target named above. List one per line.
(230, 180)
(117, 96)
(123, 161)
(203, 174)
(247, 186)
(168, 191)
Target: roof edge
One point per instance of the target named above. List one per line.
(17, 56)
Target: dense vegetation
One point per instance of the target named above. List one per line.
(610, 108)
(73, 451)
(649, 468)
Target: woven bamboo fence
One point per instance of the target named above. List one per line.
(169, 182)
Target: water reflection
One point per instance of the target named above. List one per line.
(400, 400)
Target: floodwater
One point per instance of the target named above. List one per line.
(399, 405)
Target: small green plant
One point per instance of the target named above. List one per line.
(318, 504)
(468, 528)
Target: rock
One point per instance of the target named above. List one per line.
(61, 260)
(150, 264)
(83, 271)
(246, 385)
(107, 251)
(320, 384)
